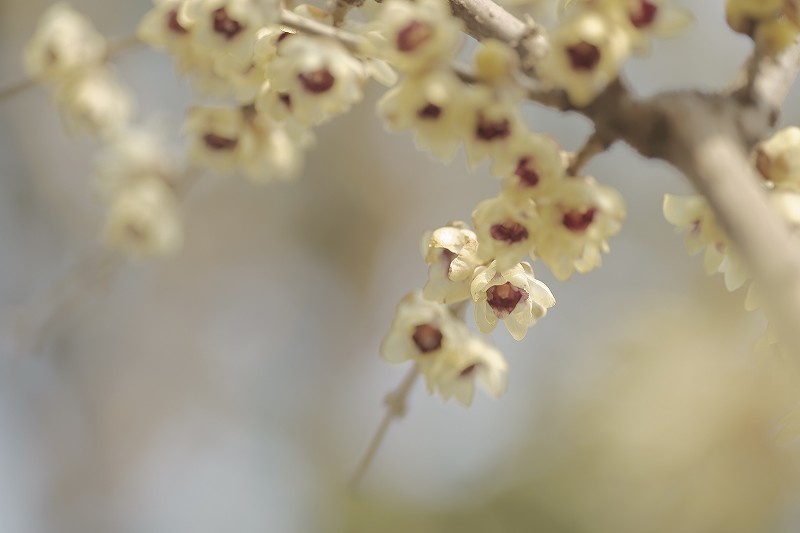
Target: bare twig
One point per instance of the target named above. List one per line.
(595, 145)
(300, 23)
(396, 408)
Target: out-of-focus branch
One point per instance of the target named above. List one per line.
(762, 88)
(595, 145)
(484, 19)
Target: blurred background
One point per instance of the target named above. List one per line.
(234, 386)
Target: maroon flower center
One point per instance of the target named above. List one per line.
(174, 25)
(503, 299)
(509, 232)
(284, 35)
(577, 221)
(430, 112)
(490, 130)
(286, 99)
(317, 81)
(468, 371)
(225, 25)
(413, 35)
(447, 256)
(528, 177)
(427, 338)
(646, 14)
(217, 142)
(583, 56)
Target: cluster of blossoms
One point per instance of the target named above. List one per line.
(137, 178)
(596, 37)
(541, 211)
(778, 161)
(282, 82)
(773, 24)
(69, 54)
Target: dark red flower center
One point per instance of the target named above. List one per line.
(509, 231)
(225, 25)
(430, 112)
(490, 130)
(427, 338)
(583, 56)
(577, 221)
(218, 142)
(503, 299)
(468, 371)
(174, 25)
(317, 81)
(528, 177)
(414, 34)
(645, 15)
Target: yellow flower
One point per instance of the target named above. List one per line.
(514, 296)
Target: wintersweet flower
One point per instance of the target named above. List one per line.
(225, 30)
(514, 296)
(414, 36)
(493, 124)
(586, 52)
(421, 332)
(143, 219)
(455, 372)
(693, 215)
(778, 158)
(451, 253)
(65, 42)
(313, 78)
(95, 102)
(534, 164)
(131, 156)
(160, 28)
(432, 105)
(577, 219)
(505, 230)
(215, 136)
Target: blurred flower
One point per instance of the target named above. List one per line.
(64, 42)
(144, 220)
(95, 102)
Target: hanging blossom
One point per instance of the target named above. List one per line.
(94, 102)
(642, 19)
(135, 154)
(143, 219)
(586, 53)
(505, 230)
(65, 42)
(534, 165)
(413, 36)
(577, 218)
(451, 255)
(774, 24)
(447, 354)
(312, 80)
(432, 105)
(226, 139)
(514, 296)
(776, 160)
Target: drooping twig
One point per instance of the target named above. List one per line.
(596, 144)
(395, 408)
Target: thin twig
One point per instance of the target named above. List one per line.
(396, 407)
(301, 23)
(596, 144)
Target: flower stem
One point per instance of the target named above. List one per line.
(396, 407)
